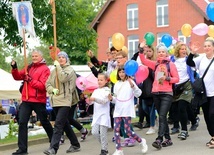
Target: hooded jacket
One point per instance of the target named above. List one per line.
(67, 86)
(39, 73)
(166, 86)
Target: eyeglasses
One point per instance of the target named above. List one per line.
(119, 58)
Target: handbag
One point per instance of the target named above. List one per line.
(198, 85)
(179, 88)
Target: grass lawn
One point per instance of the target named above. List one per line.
(14, 139)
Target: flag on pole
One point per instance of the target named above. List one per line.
(23, 13)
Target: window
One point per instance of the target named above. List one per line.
(159, 36)
(110, 42)
(162, 13)
(133, 42)
(132, 17)
(182, 38)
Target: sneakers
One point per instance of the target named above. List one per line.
(19, 152)
(118, 152)
(104, 152)
(174, 131)
(167, 142)
(139, 125)
(157, 144)
(150, 131)
(147, 125)
(50, 151)
(144, 146)
(73, 149)
(183, 135)
(84, 135)
(194, 127)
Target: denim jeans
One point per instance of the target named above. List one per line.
(163, 103)
(25, 110)
(150, 110)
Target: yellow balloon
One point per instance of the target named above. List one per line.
(113, 76)
(186, 30)
(118, 41)
(211, 30)
(125, 49)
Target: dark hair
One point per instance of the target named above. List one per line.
(113, 49)
(118, 70)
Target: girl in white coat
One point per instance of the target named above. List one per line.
(101, 117)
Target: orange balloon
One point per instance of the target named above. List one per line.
(125, 49)
(118, 41)
(186, 30)
(211, 30)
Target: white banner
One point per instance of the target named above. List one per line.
(23, 13)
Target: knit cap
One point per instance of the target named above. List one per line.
(64, 54)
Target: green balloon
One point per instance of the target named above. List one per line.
(150, 38)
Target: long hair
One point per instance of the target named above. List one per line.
(118, 70)
(177, 49)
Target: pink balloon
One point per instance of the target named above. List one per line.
(141, 74)
(81, 82)
(200, 29)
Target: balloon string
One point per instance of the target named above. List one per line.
(125, 100)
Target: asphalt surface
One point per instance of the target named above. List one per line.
(194, 145)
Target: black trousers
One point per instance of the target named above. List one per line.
(62, 124)
(208, 111)
(163, 103)
(25, 110)
(71, 119)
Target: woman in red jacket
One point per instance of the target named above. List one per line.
(165, 74)
(33, 97)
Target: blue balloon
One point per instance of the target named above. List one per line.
(210, 11)
(166, 39)
(131, 67)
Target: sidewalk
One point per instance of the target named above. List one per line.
(195, 144)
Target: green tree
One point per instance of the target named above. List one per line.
(73, 18)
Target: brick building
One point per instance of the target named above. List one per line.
(134, 18)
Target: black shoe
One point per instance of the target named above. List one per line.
(174, 131)
(73, 149)
(170, 121)
(19, 152)
(50, 151)
(147, 125)
(183, 135)
(139, 125)
(157, 144)
(104, 152)
(194, 127)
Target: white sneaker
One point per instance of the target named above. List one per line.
(150, 131)
(144, 146)
(118, 152)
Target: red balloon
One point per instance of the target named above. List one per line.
(141, 74)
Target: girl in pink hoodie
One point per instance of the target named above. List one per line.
(165, 74)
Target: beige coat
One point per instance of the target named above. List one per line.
(67, 86)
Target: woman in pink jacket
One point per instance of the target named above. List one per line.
(165, 74)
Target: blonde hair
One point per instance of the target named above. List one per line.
(123, 53)
(177, 49)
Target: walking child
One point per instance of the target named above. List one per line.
(124, 91)
(101, 117)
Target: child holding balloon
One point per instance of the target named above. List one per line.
(124, 91)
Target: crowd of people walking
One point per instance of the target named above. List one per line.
(167, 91)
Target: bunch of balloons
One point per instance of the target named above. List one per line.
(200, 29)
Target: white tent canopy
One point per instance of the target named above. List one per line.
(9, 88)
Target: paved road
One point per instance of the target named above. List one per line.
(194, 145)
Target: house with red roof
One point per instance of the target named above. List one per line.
(134, 18)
